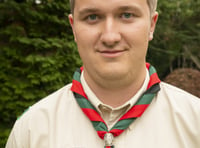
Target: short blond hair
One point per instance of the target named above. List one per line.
(151, 3)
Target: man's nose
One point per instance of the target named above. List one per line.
(110, 35)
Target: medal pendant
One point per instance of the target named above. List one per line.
(108, 138)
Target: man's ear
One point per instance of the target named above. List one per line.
(71, 21)
(154, 19)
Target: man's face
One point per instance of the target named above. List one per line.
(112, 36)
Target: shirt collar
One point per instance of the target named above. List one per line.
(97, 103)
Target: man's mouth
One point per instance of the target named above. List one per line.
(111, 53)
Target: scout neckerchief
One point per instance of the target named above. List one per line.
(136, 111)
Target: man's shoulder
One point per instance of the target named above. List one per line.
(178, 104)
(42, 116)
(171, 89)
(50, 103)
(178, 97)
(63, 93)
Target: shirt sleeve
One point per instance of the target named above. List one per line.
(12, 142)
(19, 136)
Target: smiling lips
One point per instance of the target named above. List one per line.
(111, 53)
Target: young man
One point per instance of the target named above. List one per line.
(116, 99)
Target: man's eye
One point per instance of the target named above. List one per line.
(127, 15)
(92, 17)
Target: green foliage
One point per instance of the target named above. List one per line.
(178, 27)
(4, 134)
(37, 55)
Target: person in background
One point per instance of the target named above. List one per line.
(116, 99)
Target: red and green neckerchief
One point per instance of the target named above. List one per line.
(124, 122)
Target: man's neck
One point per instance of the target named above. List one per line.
(118, 94)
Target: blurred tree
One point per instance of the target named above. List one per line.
(178, 27)
(37, 55)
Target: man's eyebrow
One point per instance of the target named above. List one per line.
(88, 10)
(121, 8)
(130, 8)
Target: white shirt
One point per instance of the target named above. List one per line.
(171, 121)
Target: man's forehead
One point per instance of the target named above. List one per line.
(109, 4)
